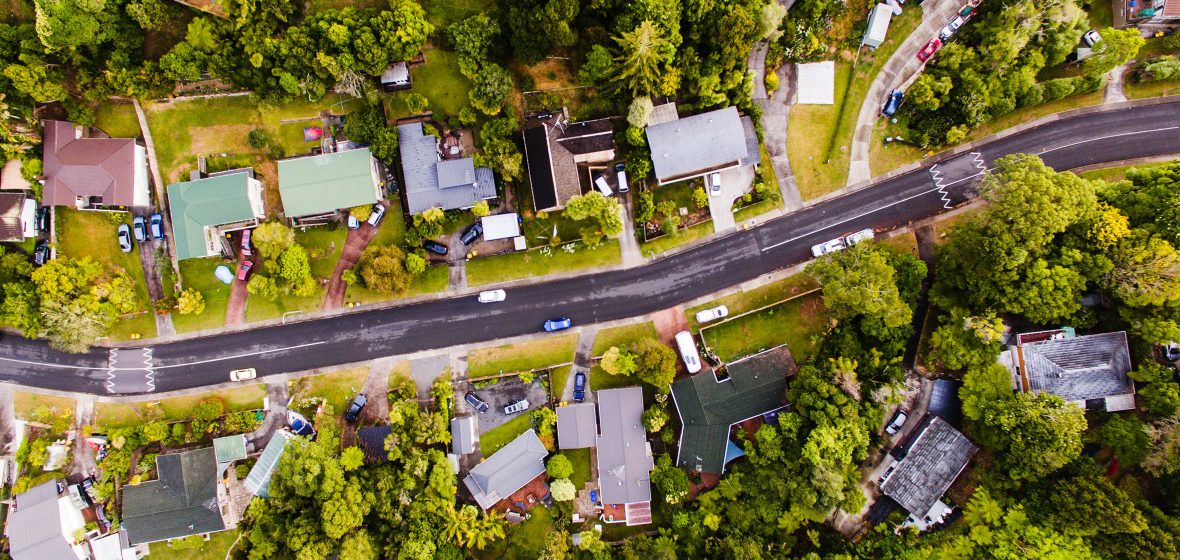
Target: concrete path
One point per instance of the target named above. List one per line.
(632, 256)
(425, 370)
(897, 73)
(458, 276)
(235, 311)
(775, 109)
(583, 357)
(734, 184)
(83, 460)
(276, 412)
(1114, 85)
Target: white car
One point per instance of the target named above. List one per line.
(1091, 38)
(827, 247)
(706, 315)
(715, 184)
(858, 237)
(492, 296)
(517, 406)
(242, 374)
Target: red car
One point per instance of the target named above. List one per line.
(928, 50)
(244, 270)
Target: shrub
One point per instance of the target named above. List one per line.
(700, 198)
(258, 138)
(361, 212)
(190, 302)
(559, 466)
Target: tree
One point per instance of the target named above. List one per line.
(618, 362)
(295, 269)
(598, 67)
(272, 239)
(604, 210)
(358, 545)
(860, 281)
(641, 108)
(1116, 48)
(190, 302)
(382, 268)
(655, 417)
(1146, 271)
(563, 490)
(1163, 456)
(415, 264)
(1160, 399)
(79, 301)
(1087, 505)
(489, 89)
(480, 209)
(670, 480)
(964, 341)
(559, 466)
(655, 364)
(645, 54)
(1033, 436)
(1127, 437)
(467, 528)
(263, 286)
(700, 198)
(368, 126)
(537, 26)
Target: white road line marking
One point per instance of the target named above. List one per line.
(846, 220)
(259, 353)
(110, 369)
(1108, 137)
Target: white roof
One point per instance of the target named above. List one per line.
(111, 547)
(817, 83)
(500, 226)
(878, 23)
(28, 218)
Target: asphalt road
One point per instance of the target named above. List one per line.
(665, 282)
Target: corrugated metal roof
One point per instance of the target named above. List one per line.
(210, 202)
(325, 183)
(182, 502)
(695, 145)
(624, 458)
(577, 426)
(230, 448)
(1079, 368)
(932, 463)
(431, 183)
(463, 434)
(507, 470)
(35, 524)
(258, 481)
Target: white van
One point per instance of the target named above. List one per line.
(688, 351)
(604, 188)
(621, 174)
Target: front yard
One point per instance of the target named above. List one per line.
(542, 262)
(237, 399)
(495, 438)
(522, 356)
(798, 323)
(621, 335)
(198, 275)
(337, 387)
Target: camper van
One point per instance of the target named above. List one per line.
(604, 188)
(688, 351)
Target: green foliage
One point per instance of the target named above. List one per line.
(417, 103)
(700, 198)
(190, 302)
(655, 364)
(563, 490)
(480, 209)
(490, 88)
(1032, 436)
(593, 205)
(272, 239)
(1161, 69)
(263, 287)
(368, 126)
(383, 268)
(860, 281)
(535, 27)
(498, 139)
(966, 341)
(670, 480)
(78, 302)
(641, 108)
(1116, 48)
(618, 362)
(559, 466)
(645, 54)
(1127, 436)
(655, 417)
(1160, 399)
(415, 264)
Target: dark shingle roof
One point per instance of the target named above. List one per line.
(932, 462)
(73, 167)
(536, 154)
(944, 401)
(182, 502)
(371, 440)
(1079, 368)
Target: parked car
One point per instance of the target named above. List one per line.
(706, 315)
(621, 177)
(602, 186)
(477, 403)
(353, 222)
(242, 374)
(472, 233)
(950, 28)
(247, 250)
(688, 351)
(579, 386)
(139, 227)
(896, 423)
(492, 296)
(157, 226)
(859, 237)
(553, 325)
(41, 253)
(714, 184)
(125, 238)
(1091, 38)
(43, 219)
(377, 214)
(244, 270)
(928, 50)
(78, 496)
(354, 409)
(1172, 351)
(517, 406)
(434, 247)
(827, 247)
(888, 472)
(88, 486)
(893, 103)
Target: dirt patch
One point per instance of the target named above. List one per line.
(268, 172)
(550, 74)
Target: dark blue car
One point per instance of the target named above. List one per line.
(893, 103)
(157, 226)
(579, 386)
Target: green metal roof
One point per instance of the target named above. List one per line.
(230, 448)
(326, 183)
(195, 205)
(258, 481)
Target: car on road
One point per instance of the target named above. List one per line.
(472, 233)
(354, 409)
(41, 253)
(242, 374)
(139, 226)
(247, 250)
(579, 386)
(893, 103)
(245, 269)
(715, 184)
(125, 238)
(353, 222)
(1091, 38)
(554, 325)
(621, 177)
(376, 215)
(492, 296)
(434, 247)
(156, 223)
(1172, 351)
(477, 403)
(826, 247)
(517, 406)
(859, 237)
(706, 315)
(896, 423)
(928, 50)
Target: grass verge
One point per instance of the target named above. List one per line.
(338, 387)
(1116, 174)
(558, 377)
(530, 264)
(484, 362)
(617, 336)
(755, 298)
(23, 404)
(796, 323)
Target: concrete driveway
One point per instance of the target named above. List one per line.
(734, 184)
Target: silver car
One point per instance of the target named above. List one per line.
(826, 247)
(517, 406)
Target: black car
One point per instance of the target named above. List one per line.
(579, 386)
(354, 409)
(43, 219)
(478, 404)
(434, 247)
(41, 253)
(472, 233)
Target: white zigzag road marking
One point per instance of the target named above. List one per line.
(937, 177)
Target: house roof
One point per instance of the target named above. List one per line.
(463, 435)
(692, 146)
(507, 470)
(112, 546)
(258, 481)
(932, 462)
(577, 426)
(1078, 368)
(1171, 8)
(209, 202)
(707, 408)
(540, 166)
(945, 403)
(230, 448)
(396, 73)
(35, 529)
(552, 153)
(86, 167)
(661, 114)
(587, 137)
(182, 502)
(11, 206)
(371, 440)
(325, 183)
(624, 457)
(434, 183)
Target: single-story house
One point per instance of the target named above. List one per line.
(577, 426)
(258, 481)
(42, 522)
(624, 456)
(695, 146)
(205, 209)
(88, 173)
(507, 470)
(463, 434)
(555, 152)
(18, 217)
(432, 182)
(878, 25)
(396, 77)
(1090, 371)
(187, 499)
(816, 83)
(929, 464)
(319, 185)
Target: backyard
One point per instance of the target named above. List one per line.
(439, 80)
(521, 356)
(216, 548)
(117, 119)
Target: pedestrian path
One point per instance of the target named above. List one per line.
(632, 256)
(1114, 86)
(775, 110)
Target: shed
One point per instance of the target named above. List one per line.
(500, 226)
(396, 77)
(816, 83)
(230, 448)
(577, 426)
(463, 434)
(878, 25)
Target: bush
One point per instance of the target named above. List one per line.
(646, 207)
(1056, 89)
(258, 138)
(480, 209)
(415, 264)
(190, 302)
(559, 466)
(771, 81)
(700, 198)
(361, 212)
(417, 103)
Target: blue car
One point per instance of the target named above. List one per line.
(553, 325)
(157, 226)
(579, 386)
(893, 103)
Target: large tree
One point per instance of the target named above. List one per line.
(645, 54)
(1032, 436)
(860, 281)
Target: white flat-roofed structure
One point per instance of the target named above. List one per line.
(500, 226)
(816, 83)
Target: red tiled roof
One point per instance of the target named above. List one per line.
(11, 205)
(102, 167)
(1172, 8)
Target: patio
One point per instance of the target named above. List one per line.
(529, 496)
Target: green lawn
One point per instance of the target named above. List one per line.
(259, 309)
(23, 404)
(666, 243)
(117, 119)
(533, 263)
(1143, 90)
(557, 379)
(539, 230)
(618, 336)
(495, 438)
(248, 397)
(1116, 174)
(445, 12)
(216, 548)
(440, 81)
(600, 380)
(796, 323)
(679, 193)
(134, 327)
(337, 387)
(198, 275)
(525, 541)
(581, 461)
(1100, 12)
(436, 279)
(324, 245)
(761, 296)
(522, 356)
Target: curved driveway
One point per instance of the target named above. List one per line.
(1064, 144)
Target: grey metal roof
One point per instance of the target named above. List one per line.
(431, 183)
(944, 401)
(507, 470)
(34, 525)
(932, 463)
(230, 448)
(1079, 368)
(577, 426)
(661, 114)
(182, 502)
(258, 481)
(396, 73)
(624, 458)
(696, 145)
(463, 435)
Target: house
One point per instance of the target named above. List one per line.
(624, 456)
(710, 407)
(204, 210)
(187, 499)
(18, 217)
(558, 154)
(1090, 371)
(89, 173)
(1166, 11)
(577, 426)
(258, 480)
(396, 77)
(42, 523)
(317, 186)
(434, 182)
(113, 546)
(463, 435)
(878, 25)
(695, 146)
(929, 464)
(945, 402)
(507, 470)
(815, 83)
(371, 440)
